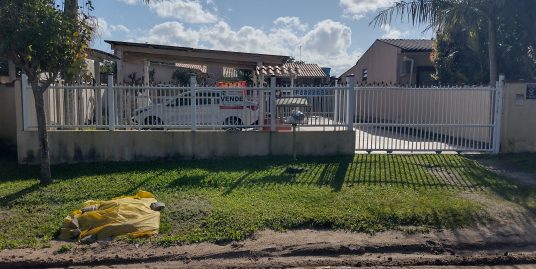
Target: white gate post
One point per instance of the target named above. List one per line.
(273, 108)
(350, 80)
(25, 99)
(499, 86)
(193, 96)
(336, 104)
(111, 102)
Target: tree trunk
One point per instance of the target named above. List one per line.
(71, 8)
(45, 176)
(492, 48)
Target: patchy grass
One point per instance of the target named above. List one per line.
(64, 249)
(520, 162)
(231, 199)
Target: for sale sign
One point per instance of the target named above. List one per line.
(231, 99)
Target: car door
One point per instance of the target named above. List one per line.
(213, 109)
(179, 111)
(203, 103)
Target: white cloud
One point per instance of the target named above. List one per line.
(129, 2)
(392, 33)
(190, 11)
(247, 39)
(357, 9)
(327, 43)
(171, 33)
(290, 23)
(119, 28)
(104, 29)
(328, 38)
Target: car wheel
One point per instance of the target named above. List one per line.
(232, 121)
(153, 121)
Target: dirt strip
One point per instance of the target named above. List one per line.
(268, 249)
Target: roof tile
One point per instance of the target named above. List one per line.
(410, 44)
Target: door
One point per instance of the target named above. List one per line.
(424, 76)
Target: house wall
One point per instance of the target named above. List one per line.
(380, 60)
(86, 146)
(163, 73)
(420, 59)
(519, 119)
(8, 120)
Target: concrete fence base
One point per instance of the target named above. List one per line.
(90, 146)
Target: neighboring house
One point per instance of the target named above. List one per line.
(8, 123)
(142, 59)
(94, 59)
(138, 61)
(395, 61)
(7, 71)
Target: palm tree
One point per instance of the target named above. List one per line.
(441, 14)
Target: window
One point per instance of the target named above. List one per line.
(208, 98)
(181, 101)
(405, 68)
(184, 101)
(365, 75)
(4, 68)
(203, 101)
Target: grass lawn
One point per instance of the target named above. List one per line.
(520, 162)
(231, 199)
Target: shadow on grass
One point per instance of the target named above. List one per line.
(10, 198)
(507, 188)
(444, 172)
(518, 162)
(10, 170)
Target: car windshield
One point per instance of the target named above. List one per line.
(203, 98)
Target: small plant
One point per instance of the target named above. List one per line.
(64, 249)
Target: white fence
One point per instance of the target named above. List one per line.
(461, 119)
(120, 107)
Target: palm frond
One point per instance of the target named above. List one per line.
(416, 11)
(434, 14)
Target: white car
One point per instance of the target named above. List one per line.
(214, 108)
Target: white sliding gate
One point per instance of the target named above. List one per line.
(458, 119)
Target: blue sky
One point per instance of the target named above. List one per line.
(333, 33)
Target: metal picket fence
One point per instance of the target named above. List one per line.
(193, 107)
(386, 118)
(437, 119)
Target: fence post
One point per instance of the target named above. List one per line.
(25, 106)
(350, 104)
(273, 112)
(193, 96)
(499, 86)
(336, 104)
(110, 96)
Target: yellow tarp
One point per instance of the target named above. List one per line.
(130, 215)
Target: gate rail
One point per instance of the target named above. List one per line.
(413, 119)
